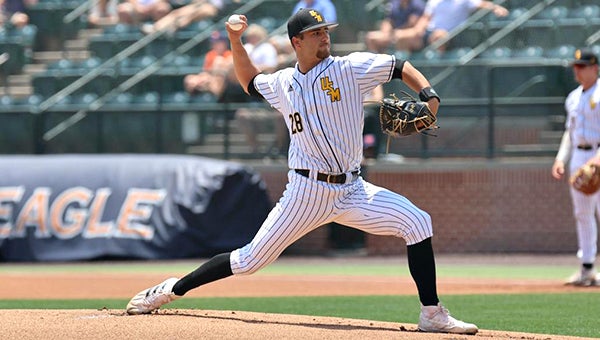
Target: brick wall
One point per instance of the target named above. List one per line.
(476, 206)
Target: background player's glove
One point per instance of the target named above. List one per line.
(405, 117)
(586, 179)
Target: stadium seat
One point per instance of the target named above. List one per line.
(147, 98)
(63, 67)
(455, 53)
(204, 97)
(121, 29)
(553, 13)
(585, 12)
(179, 97)
(131, 66)
(90, 63)
(496, 53)
(529, 52)
(84, 99)
(560, 52)
(175, 101)
(573, 29)
(6, 100)
(25, 36)
(121, 101)
(426, 55)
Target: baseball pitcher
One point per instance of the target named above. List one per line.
(321, 99)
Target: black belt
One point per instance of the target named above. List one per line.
(586, 147)
(337, 179)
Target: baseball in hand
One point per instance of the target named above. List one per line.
(235, 23)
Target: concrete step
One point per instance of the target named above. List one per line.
(30, 69)
(47, 57)
(530, 149)
(19, 80)
(87, 33)
(76, 45)
(549, 137)
(16, 91)
(236, 138)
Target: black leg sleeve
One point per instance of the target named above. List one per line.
(214, 269)
(421, 264)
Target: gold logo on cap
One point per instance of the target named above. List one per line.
(316, 15)
(578, 54)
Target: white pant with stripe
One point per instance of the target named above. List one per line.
(307, 204)
(585, 208)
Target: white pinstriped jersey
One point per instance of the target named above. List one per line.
(324, 108)
(583, 115)
(324, 111)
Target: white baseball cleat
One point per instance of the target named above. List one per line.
(152, 298)
(583, 278)
(437, 319)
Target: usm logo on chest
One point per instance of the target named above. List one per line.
(328, 87)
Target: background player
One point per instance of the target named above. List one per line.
(321, 99)
(579, 144)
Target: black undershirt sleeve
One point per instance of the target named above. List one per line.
(252, 89)
(397, 73)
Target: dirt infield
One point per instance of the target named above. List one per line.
(204, 324)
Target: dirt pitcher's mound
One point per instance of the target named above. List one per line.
(199, 324)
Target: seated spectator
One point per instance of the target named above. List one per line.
(103, 13)
(195, 11)
(440, 17)
(325, 7)
(217, 63)
(264, 55)
(13, 12)
(135, 12)
(401, 16)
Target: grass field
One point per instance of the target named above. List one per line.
(572, 314)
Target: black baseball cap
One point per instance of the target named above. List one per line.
(585, 56)
(307, 19)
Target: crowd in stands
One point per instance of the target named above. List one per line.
(411, 25)
(407, 25)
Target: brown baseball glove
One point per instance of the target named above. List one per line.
(405, 117)
(586, 179)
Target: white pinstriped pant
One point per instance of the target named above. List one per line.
(584, 209)
(307, 204)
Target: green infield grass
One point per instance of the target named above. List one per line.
(572, 314)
